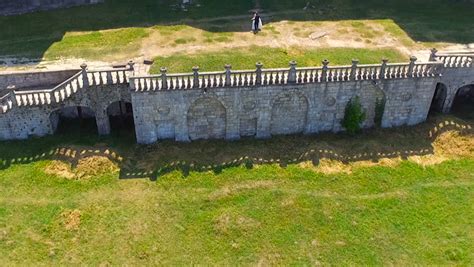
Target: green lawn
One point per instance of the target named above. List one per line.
(273, 58)
(33, 35)
(205, 209)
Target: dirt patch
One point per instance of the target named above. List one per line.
(71, 219)
(86, 168)
(454, 144)
(328, 166)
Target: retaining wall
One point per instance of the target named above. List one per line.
(232, 113)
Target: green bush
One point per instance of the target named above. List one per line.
(353, 116)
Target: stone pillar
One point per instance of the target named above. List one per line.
(164, 78)
(411, 67)
(131, 65)
(103, 123)
(196, 77)
(292, 72)
(354, 69)
(433, 54)
(227, 67)
(383, 68)
(324, 73)
(258, 73)
(85, 79)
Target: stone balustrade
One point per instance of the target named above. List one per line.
(453, 60)
(66, 89)
(291, 75)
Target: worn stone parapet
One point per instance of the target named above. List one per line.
(232, 104)
(453, 60)
(291, 75)
(66, 89)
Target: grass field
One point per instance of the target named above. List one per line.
(118, 29)
(273, 58)
(387, 197)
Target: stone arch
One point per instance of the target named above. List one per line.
(207, 119)
(464, 99)
(120, 114)
(289, 113)
(66, 117)
(439, 98)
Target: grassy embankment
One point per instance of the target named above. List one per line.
(402, 197)
(117, 29)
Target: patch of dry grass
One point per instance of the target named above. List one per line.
(86, 168)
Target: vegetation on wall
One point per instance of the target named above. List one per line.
(354, 116)
(379, 111)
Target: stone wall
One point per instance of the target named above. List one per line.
(38, 79)
(24, 122)
(264, 111)
(231, 105)
(15, 7)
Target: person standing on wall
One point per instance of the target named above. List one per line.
(256, 23)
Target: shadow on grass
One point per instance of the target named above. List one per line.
(32, 34)
(153, 161)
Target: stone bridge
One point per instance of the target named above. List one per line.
(233, 104)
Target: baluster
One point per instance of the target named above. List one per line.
(457, 61)
(203, 81)
(265, 78)
(239, 79)
(188, 84)
(181, 82)
(108, 77)
(209, 81)
(396, 71)
(78, 85)
(277, 78)
(101, 78)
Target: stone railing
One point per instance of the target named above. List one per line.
(291, 75)
(66, 89)
(453, 60)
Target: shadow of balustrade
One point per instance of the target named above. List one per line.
(154, 161)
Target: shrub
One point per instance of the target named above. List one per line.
(379, 110)
(353, 116)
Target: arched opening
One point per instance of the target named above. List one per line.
(463, 103)
(76, 119)
(207, 119)
(439, 98)
(289, 114)
(121, 117)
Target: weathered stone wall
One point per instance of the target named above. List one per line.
(186, 113)
(454, 79)
(24, 122)
(45, 79)
(14, 7)
(264, 111)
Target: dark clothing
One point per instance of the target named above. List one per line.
(256, 22)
